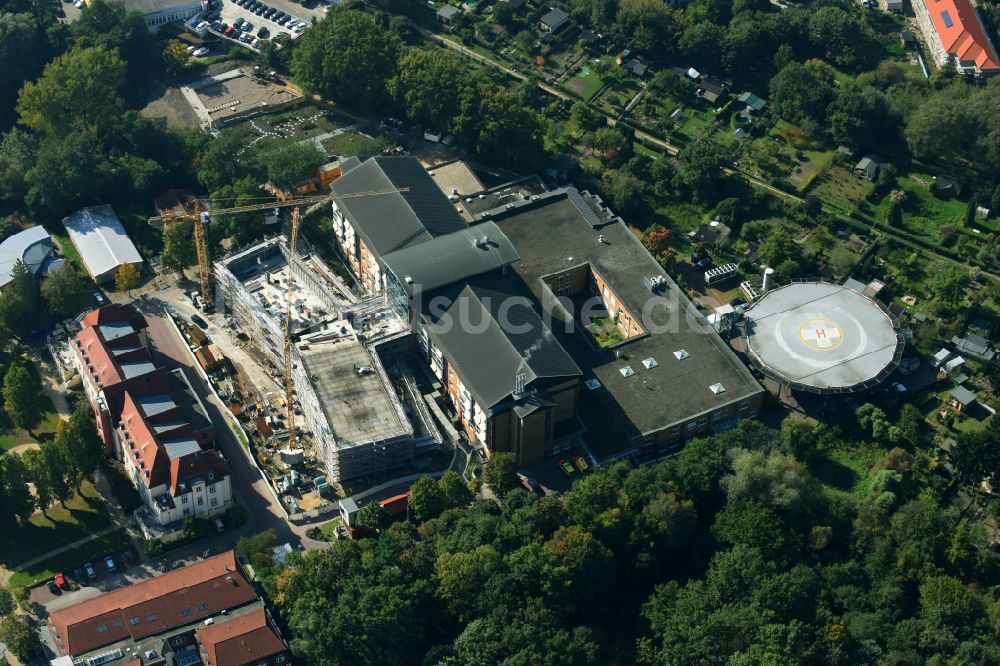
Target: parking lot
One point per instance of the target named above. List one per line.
(231, 13)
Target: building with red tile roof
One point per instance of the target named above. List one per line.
(956, 35)
(137, 613)
(242, 641)
(153, 420)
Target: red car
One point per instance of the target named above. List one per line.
(60, 580)
(228, 31)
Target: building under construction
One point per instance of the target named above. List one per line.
(362, 421)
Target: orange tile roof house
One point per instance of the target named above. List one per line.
(134, 613)
(247, 639)
(956, 35)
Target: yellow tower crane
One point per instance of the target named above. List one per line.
(202, 218)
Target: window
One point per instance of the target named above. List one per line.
(202, 607)
(702, 421)
(134, 621)
(691, 425)
(151, 617)
(647, 442)
(178, 641)
(101, 628)
(187, 512)
(185, 612)
(674, 432)
(744, 405)
(201, 501)
(215, 502)
(117, 624)
(280, 659)
(211, 488)
(184, 500)
(718, 416)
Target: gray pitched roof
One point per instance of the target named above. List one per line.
(32, 246)
(451, 258)
(491, 336)
(963, 395)
(554, 18)
(389, 222)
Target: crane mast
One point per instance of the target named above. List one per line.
(289, 307)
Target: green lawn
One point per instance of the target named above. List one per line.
(845, 467)
(67, 561)
(329, 529)
(924, 213)
(585, 83)
(66, 248)
(83, 514)
(840, 188)
(11, 437)
(604, 332)
(353, 143)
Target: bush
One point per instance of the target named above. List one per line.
(152, 547)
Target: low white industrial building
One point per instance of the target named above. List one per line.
(100, 238)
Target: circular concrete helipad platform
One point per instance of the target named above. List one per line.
(820, 337)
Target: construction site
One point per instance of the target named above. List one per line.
(358, 412)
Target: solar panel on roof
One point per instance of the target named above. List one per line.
(946, 17)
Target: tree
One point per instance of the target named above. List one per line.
(946, 601)
(220, 164)
(501, 473)
(179, 250)
(624, 190)
(348, 57)
(195, 528)
(585, 117)
(508, 132)
(38, 472)
(426, 499)
(58, 468)
(78, 92)
(17, 501)
(843, 260)
(427, 86)
(460, 577)
(774, 478)
(289, 161)
(371, 516)
(80, 443)
(950, 283)
(19, 300)
(700, 167)
(20, 638)
(20, 397)
(779, 247)
(175, 57)
(860, 116)
(262, 542)
(65, 292)
(17, 155)
(242, 227)
(24, 50)
(127, 277)
(454, 490)
(504, 15)
(802, 91)
(7, 603)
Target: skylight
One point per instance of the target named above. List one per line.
(946, 17)
(650, 363)
(681, 354)
(593, 384)
(717, 389)
(626, 371)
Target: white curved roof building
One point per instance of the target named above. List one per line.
(32, 246)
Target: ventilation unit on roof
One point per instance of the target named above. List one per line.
(717, 389)
(601, 239)
(650, 363)
(627, 371)
(681, 354)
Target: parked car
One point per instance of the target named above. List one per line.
(199, 321)
(255, 43)
(566, 468)
(247, 26)
(60, 580)
(89, 568)
(200, 53)
(298, 29)
(53, 588)
(581, 463)
(109, 562)
(899, 387)
(99, 298)
(80, 576)
(263, 32)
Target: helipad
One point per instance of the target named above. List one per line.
(822, 337)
